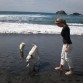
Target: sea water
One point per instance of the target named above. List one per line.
(38, 23)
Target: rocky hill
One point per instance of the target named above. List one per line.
(77, 14)
(61, 12)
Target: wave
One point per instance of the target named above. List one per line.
(39, 19)
(26, 28)
(75, 24)
(25, 18)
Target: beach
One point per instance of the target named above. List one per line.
(13, 67)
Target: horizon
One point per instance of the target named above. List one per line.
(37, 12)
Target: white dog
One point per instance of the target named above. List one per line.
(32, 59)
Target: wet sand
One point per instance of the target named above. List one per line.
(13, 68)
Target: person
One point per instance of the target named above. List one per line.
(66, 49)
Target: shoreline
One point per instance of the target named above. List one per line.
(38, 34)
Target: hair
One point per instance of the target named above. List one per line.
(59, 20)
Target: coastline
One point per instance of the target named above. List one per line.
(13, 70)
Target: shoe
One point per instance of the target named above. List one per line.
(69, 73)
(58, 69)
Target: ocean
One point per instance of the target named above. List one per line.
(38, 23)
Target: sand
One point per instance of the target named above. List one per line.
(13, 68)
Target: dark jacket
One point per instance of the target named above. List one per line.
(65, 33)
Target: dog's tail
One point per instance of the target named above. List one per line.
(21, 48)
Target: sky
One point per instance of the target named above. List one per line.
(51, 6)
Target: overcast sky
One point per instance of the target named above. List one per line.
(70, 6)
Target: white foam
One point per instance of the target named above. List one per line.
(22, 16)
(25, 28)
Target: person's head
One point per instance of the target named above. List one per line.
(60, 22)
